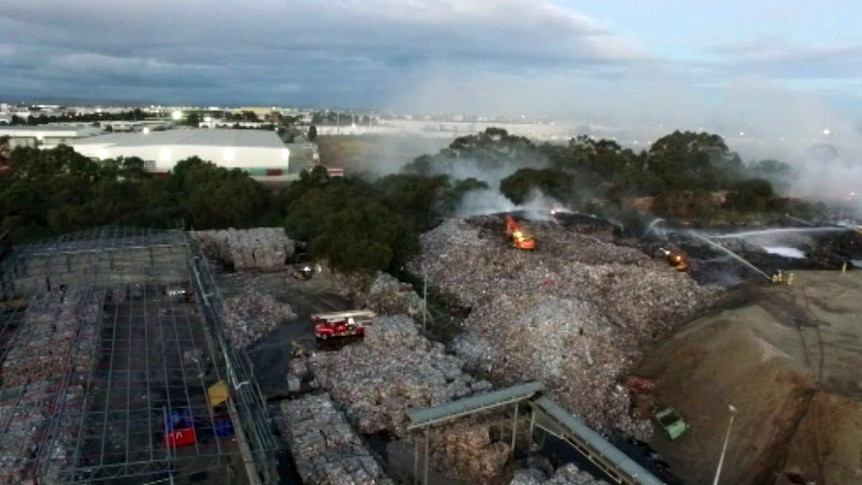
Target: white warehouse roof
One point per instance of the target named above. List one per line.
(256, 151)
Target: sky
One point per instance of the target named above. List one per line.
(682, 63)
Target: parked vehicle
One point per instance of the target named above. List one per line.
(341, 324)
(673, 424)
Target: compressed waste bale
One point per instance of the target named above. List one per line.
(255, 248)
(251, 314)
(324, 446)
(392, 371)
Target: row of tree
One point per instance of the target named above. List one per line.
(683, 171)
(359, 223)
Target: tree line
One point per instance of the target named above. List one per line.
(359, 223)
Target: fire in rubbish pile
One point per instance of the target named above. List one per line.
(516, 236)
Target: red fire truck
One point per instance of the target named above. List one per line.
(341, 324)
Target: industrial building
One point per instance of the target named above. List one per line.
(47, 136)
(258, 152)
(115, 368)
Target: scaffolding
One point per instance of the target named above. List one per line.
(110, 341)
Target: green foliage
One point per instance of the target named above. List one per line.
(418, 198)
(685, 204)
(50, 192)
(492, 149)
(780, 174)
(312, 133)
(520, 185)
(347, 223)
(455, 193)
(694, 161)
(750, 195)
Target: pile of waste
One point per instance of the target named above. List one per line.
(324, 447)
(391, 372)
(467, 453)
(388, 296)
(567, 474)
(576, 312)
(251, 314)
(261, 247)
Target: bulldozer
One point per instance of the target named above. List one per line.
(517, 237)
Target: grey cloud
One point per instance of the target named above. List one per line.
(272, 44)
(773, 57)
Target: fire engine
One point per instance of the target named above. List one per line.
(341, 324)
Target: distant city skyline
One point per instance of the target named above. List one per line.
(791, 67)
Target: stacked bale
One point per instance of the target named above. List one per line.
(393, 371)
(324, 447)
(257, 248)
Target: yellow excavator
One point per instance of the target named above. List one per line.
(676, 258)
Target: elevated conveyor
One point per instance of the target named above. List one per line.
(546, 415)
(552, 418)
(424, 418)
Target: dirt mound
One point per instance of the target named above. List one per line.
(787, 358)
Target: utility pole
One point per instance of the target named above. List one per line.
(424, 297)
(732, 410)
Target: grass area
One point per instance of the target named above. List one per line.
(374, 154)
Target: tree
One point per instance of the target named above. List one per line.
(688, 160)
(312, 133)
(750, 195)
(193, 119)
(347, 223)
(520, 185)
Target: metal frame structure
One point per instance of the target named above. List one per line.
(97, 346)
(444, 413)
(553, 419)
(544, 414)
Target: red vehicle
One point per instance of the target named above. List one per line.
(341, 324)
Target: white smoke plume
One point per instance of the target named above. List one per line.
(538, 206)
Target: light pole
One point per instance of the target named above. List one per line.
(424, 296)
(732, 410)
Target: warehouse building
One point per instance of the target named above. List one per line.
(260, 153)
(46, 136)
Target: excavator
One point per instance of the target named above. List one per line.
(677, 259)
(517, 237)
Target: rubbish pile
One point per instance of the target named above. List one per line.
(59, 333)
(392, 371)
(388, 296)
(324, 447)
(261, 247)
(567, 474)
(575, 313)
(251, 314)
(468, 455)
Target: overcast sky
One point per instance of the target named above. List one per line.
(684, 60)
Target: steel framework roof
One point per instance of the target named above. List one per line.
(98, 351)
